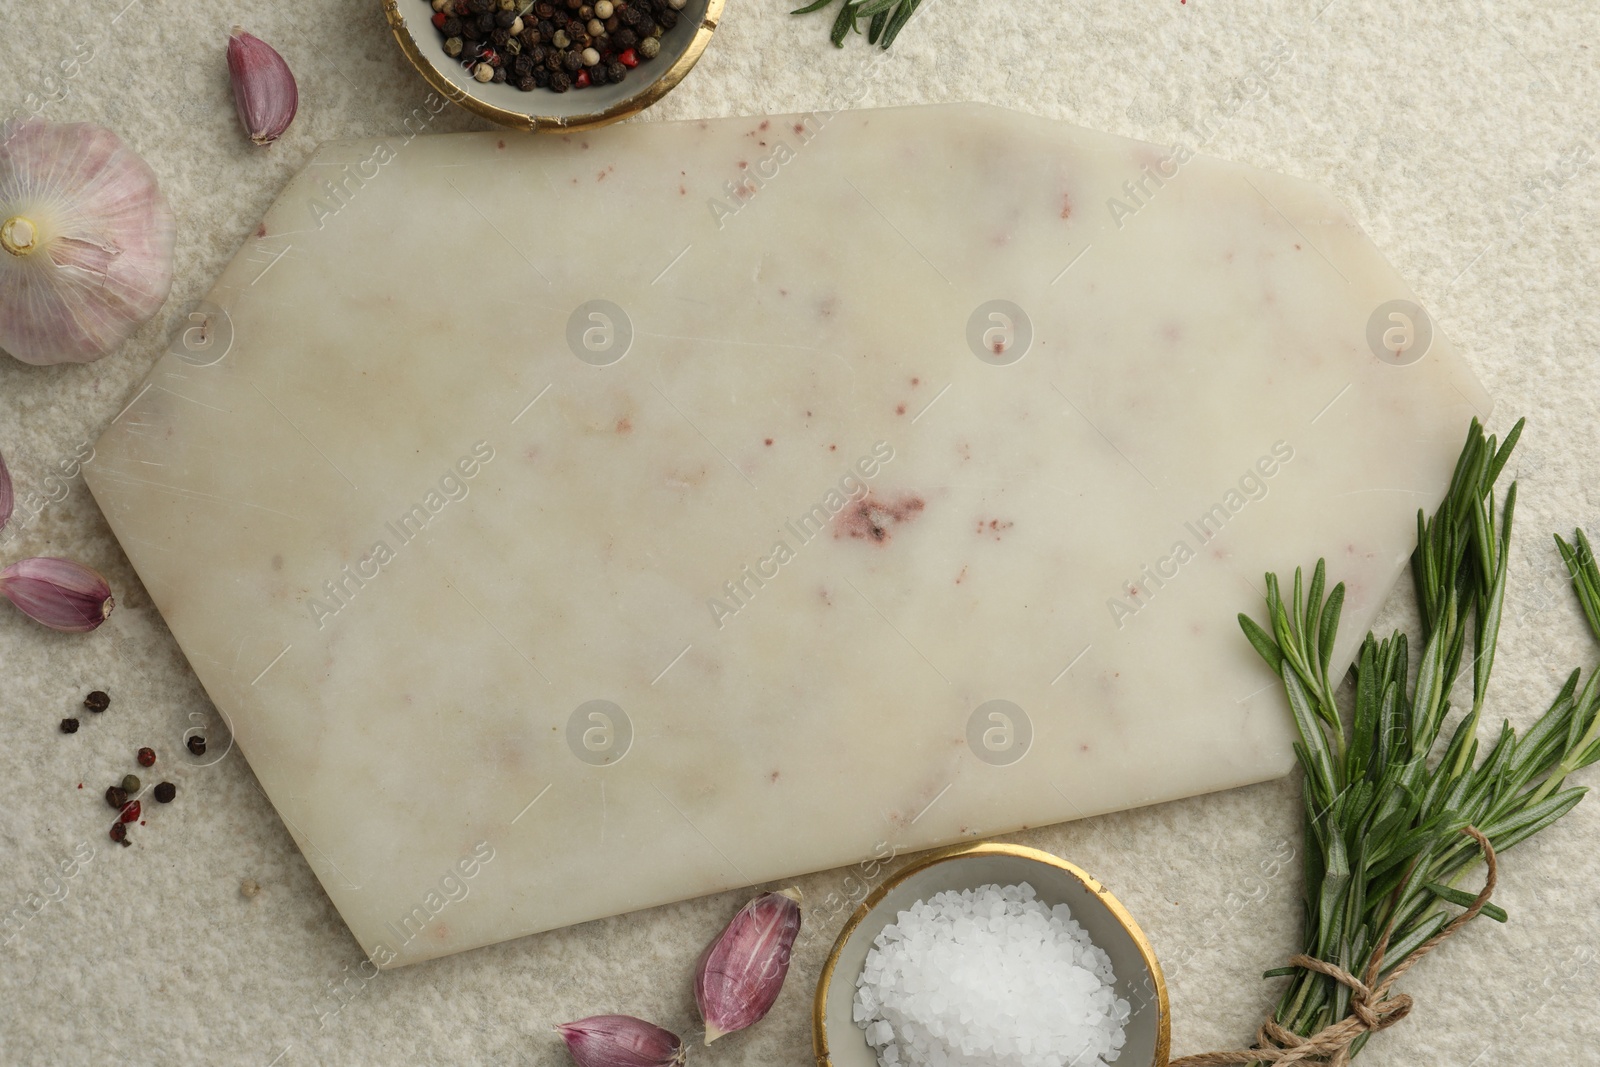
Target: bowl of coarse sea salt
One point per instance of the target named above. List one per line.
(991, 956)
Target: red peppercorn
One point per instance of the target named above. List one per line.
(580, 80)
(439, 18)
(147, 757)
(130, 811)
(629, 58)
(119, 832)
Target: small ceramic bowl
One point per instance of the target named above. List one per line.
(541, 109)
(839, 1042)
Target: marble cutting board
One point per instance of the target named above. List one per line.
(566, 526)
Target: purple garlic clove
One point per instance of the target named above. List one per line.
(264, 89)
(59, 593)
(741, 973)
(621, 1041)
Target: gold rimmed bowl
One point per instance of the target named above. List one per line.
(839, 1042)
(541, 109)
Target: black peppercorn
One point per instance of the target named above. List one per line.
(119, 833)
(499, 76)
(541, 77)
(526, 83)
(616, 71)
(481, 6)
(116, 796)
(559, 82)
(522, 66)
(504, 19)
(97, 701)
(470, 31)
(165, 792)
(546, 28)
(451, 27)
(667, 19)
(625, 38)
(197, 745)
(69, 726)
(573, 5)
(573, 60)
(485, 25)
(499, 38)
(544, 10)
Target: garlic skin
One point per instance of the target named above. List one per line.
(621, 1041)
(264, 89)
(85, 242)
(741, 973)
(8, 499)
(58, 593)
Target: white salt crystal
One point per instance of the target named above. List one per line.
(989, 977)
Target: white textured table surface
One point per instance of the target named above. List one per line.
(1461, 138)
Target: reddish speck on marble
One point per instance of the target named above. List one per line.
(1066, 205)
(899, 409)
(261, 230)
(769, 442)
(872, 518)
(624, 425)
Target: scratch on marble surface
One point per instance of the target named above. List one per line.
(116, 475)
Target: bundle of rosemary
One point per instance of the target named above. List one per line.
(885, 19)
(1391, 830)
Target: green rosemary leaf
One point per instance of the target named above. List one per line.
(809, 8)
(1525, 824)
(1329, 627)
(1280, 972)
(875, 28)
(1585, 575)
(1463, 899)
(875, 7)
(1401, 947)
(1504, 454)
(844, 24)
(898, 20)
(1317, 759)
(1263, 643)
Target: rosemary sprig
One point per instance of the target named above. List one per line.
(1383, 818)
(885, 19)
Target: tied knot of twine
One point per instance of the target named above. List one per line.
(1371, 1007)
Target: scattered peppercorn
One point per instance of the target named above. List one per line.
(164, 792)
(97, 701)
(147, 757)
(588, 44)
(197, 745)
(130, 811)
(116, 796)
(130, 784)
(69, 726)
(119, 833)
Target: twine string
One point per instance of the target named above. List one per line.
(1371, 1007)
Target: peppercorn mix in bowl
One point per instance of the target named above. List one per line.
(847, 1026)
(556, 65)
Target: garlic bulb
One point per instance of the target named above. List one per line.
(85, 242)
